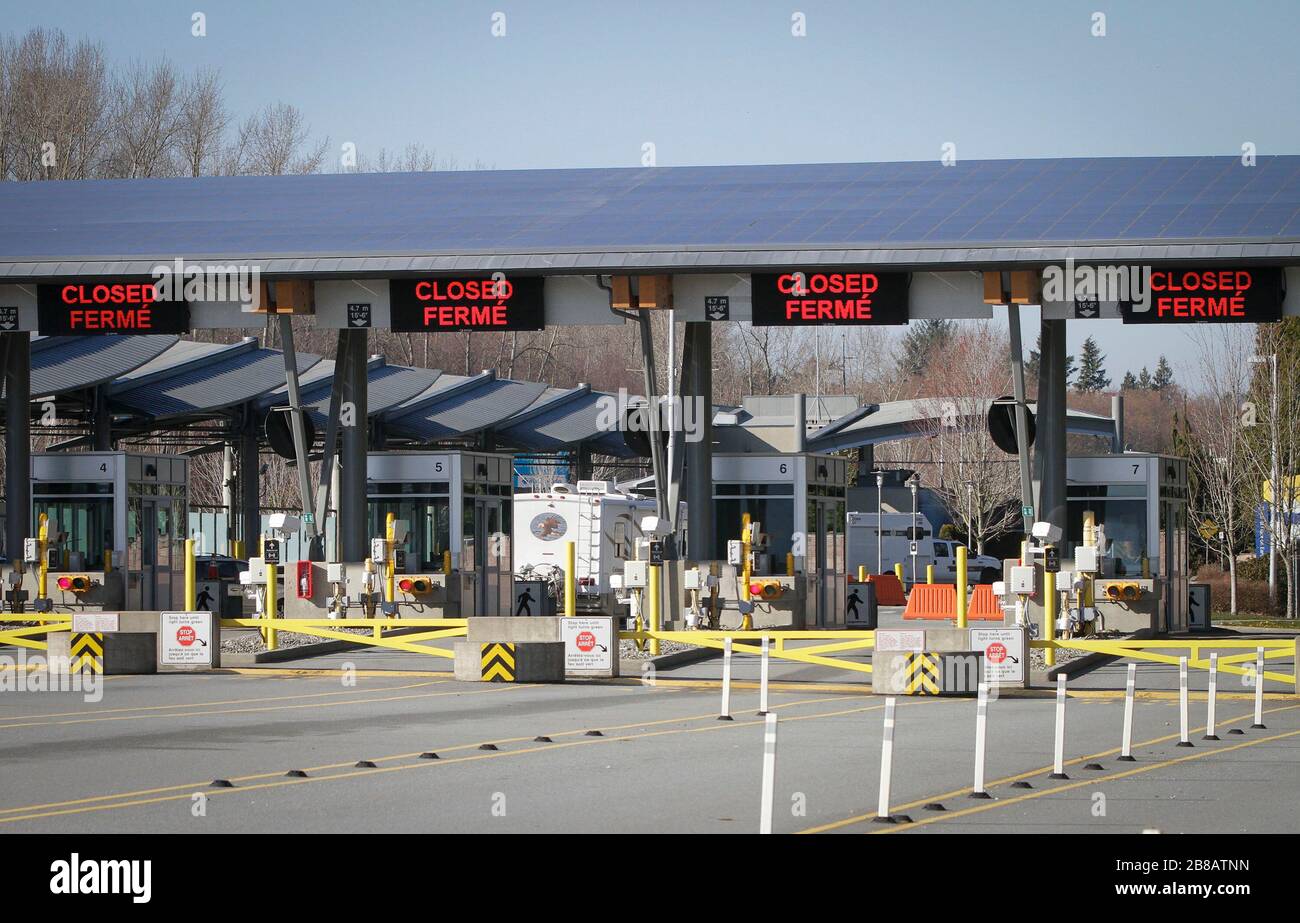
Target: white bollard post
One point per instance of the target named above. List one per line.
(1259, 690)
(1184, 739)
(886, 764)
(726, 681)
(762, 679)
(1209, 708)
(1130, 692)
(981, 728)
(1058, 761)
(769, 774)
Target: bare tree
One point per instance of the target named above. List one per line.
(202, 124)
(146, 114)
(274, 142)
(1219, 417)
(977, 482)
(53, 107)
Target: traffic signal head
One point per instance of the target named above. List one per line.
(77, 583)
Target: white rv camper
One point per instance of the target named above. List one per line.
(603, 522)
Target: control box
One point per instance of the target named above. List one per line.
(1022, 580)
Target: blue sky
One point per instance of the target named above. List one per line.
(576, 84)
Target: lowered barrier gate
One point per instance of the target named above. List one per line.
(833, 642)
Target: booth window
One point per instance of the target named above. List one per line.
(1122, 510)
(88, 521)
(430, 523)
(775, 517)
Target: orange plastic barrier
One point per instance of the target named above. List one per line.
(932, 601)
(889, 592)
(984, 605)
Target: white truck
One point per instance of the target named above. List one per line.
(896, 547)
(602, 521)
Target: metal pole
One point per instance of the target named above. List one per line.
(1058, 760)
(299, 431)
(981, 729)
(762, 678)
(1273, 507)
(18, 442)
(880, 526)
(769, 773)
(725, 714)
(352, 481)
(1130, 692)
(1259, 690)
(1184, 739)
(328, 488)
(698, 373)
(1210, 699)
(1022, 414)
(570, 580)
(886, 763)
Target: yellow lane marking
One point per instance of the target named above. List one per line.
(1095, 780)
(328, 671)
(87, 805)
(957, 793)
(175, 705)
(238, 711)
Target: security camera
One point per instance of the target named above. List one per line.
(284, 522)
(401, 529)
(1046, 532)
(655, 526)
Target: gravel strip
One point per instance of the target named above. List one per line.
(250, 642)
(627, 650)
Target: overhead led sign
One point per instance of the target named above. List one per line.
(815, 297)
(445, 305)
(98, 308)
(1215, 296)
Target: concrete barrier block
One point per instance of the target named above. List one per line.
(506, 661)
(125, 652)
(520, 629)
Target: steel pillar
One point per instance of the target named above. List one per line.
(697, 387)
(18, 441)
(1050, 443)
(250, 507)
(356, 444)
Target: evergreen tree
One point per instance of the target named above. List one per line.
(923, 337)
(1092, 374)
(1144, 380)
(1130, 382)
(1164, 375)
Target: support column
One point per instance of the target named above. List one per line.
(103, 434)
(1050, 444)
(18, 441)
(228, 494)
(250, 507)
(352, 459)
(697, 387)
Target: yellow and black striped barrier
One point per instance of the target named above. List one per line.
(498, 663)
(86, 652)
(921, 675)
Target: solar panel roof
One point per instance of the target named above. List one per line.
(906, 214)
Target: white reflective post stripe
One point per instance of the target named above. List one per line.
(1130, 691)
(762, 679)
(726, 678)
(1058, 762)
(1214, 683)
(886, 758)
(1182, 700)
(1259, 686)
(769, 773)
(981, 722)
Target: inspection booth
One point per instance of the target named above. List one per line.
(116, 519)
(799, 501)
(458, 508)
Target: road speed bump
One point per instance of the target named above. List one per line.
(498, 663)
(86, 652)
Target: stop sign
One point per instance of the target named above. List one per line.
(586, 641)
(996, 652)
(185, 636)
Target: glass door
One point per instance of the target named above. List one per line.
(148, 553)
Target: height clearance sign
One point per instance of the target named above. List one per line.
(484, 303)
(108, 307)
(1213, 296)
(818, 297)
